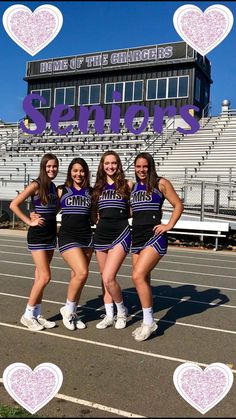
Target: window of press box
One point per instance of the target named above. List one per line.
(89, 94)
(198, 89)
(172, 87)
(46, 93)
(161, 90)
(183, 86)
(130, 91)
(167, 87)
(64, 96)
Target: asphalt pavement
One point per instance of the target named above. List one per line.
(106, 373)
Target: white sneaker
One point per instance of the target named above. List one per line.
(137, 330)
(32, 323)
(121, 320)
(106, 322)
(144, 331)
(68, 318)
(79, 324)
(45, 323)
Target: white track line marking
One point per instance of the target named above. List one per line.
(129, 266)
(134, 292)
(99, 406)
(13, 241)
(171, 251)
(170, 254)
(196, 264)
(107, 345)
(95, 405)
(212, 329)
(156, 280)
(159, 269)
(192, 283)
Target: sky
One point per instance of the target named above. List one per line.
(95, 26)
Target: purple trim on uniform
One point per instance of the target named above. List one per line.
(73, 245)
(109, 198)
(42, 246)
(141, 201)
(51, 206)
(158, 242)
(150, 207)
(124, 239)
(76, 201)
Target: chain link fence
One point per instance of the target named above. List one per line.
(207, 198)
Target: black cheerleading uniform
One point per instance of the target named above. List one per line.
(113, 226)
(75, 230)
(44, 237)
(146, 209)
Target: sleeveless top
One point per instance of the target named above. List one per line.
(146, 208)
(49, 210)
(111, 204)
(76, 207)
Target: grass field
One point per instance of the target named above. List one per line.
(14, 412)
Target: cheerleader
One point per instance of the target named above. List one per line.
(75, 236)
(41, 236)
(112, 237)
(149, 236)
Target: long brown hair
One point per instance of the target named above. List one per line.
(152, 177)
(120, 182)
(43, 179)
(82, 162)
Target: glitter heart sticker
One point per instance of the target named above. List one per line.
(203, 389)
(203, 31)
(32, 31)
(32, 389)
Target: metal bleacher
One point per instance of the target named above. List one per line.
(205, 155)
(20, 154)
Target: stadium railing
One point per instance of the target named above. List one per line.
(200, 228)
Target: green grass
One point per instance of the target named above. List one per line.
(14, 412)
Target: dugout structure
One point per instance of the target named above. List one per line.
(170, 74)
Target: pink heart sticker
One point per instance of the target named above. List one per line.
(32, 31)
(32, 389)
(203, 389)
(203, 31)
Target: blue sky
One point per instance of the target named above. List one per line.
(90, 26)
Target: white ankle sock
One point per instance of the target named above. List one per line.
(109, 310)
(37, 310)
(29, 312)
(148, 316)
(71, 306)
(120, 308)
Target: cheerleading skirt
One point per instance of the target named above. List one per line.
(143, 236)
(81, 237)
(43, 237)
(110, 232)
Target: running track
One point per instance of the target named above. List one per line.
(106, 373)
